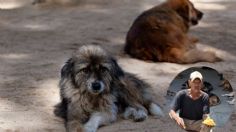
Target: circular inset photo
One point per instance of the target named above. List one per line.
(220, 92)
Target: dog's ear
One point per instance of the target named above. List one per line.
(183, 11)
(67, 68)
(117, 71)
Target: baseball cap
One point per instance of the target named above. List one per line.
(194, 75)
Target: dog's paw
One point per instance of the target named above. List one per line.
(211, 57)
(129, 112)
(89, 128)
(155, 110)
(140, 115)
(135, 114)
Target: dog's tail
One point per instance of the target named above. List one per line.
(155, 110)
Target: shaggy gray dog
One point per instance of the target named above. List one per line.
(94, 88)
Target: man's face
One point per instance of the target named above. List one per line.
(196, 85)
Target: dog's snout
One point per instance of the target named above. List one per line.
(96, 86)
(199, 15)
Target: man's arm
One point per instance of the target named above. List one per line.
(206, 107)
(205, 116)
(178, 119)
(175, 107)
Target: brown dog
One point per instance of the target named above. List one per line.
(160, 34)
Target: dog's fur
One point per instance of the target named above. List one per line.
(160, 34)
(226, 85)
(93, 88)
(213, 99)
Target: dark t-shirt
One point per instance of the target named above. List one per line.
(189, 108)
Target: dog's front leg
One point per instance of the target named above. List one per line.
(100, 118)
(74, 119)
(74, 126)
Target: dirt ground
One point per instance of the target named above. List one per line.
(35, 41)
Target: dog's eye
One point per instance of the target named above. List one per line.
(84, 70)
(103, 69)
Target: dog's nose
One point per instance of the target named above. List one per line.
(96, 86)
(199, 15)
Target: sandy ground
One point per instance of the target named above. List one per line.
(35, 41)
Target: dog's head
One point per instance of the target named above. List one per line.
(194, 14)
(187, 11)
(91, 70)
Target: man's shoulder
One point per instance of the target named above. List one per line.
(204, 95)
(182, 92)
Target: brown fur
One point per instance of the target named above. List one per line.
(214, 99)
(226, 85)
(160, 34)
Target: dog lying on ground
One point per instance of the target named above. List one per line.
(94, 88)
(160, 34)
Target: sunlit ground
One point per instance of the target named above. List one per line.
(12, 4)
(13, 56)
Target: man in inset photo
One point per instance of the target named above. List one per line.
(190, 106)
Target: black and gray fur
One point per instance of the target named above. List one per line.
(93, 88)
